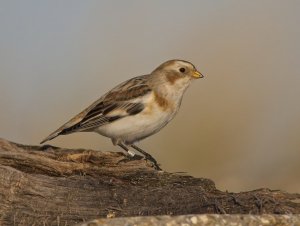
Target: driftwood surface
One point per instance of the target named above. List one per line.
(200, 220)
(45, 185)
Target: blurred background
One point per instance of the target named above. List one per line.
(239, 125)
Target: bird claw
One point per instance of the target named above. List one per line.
(129, 157)
(153, 162)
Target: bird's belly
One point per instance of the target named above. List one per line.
(136, 127)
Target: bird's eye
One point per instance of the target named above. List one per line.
(182, 69)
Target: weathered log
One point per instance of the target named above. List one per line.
(45, 185)
(201, 220)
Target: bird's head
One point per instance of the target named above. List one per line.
(177, 71)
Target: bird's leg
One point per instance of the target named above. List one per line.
(131, 154)
(123, 146)
(147, 156)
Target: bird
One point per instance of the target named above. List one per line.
(136, 108)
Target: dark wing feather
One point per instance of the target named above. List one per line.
(102, 118)
(135, 109)
(116, 104)
(119, 98)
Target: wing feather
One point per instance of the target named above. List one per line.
(122, 101)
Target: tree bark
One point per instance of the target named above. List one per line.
(45, 185)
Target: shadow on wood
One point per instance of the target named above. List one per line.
(54, 186)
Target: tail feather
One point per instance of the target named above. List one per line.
(50, 137)
(66, 128)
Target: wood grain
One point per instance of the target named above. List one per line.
(45, 185)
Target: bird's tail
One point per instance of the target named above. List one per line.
(51, 136)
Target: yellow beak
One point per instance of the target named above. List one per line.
(197, 74)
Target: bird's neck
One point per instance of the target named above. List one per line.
(173, 92)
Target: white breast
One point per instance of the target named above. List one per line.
(137, 127)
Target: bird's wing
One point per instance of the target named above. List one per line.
(124, 100)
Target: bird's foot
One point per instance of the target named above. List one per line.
(45, 147)
(154, 163)
(147, 156)
(129, 157)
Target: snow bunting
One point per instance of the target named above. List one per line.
(136, 108)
